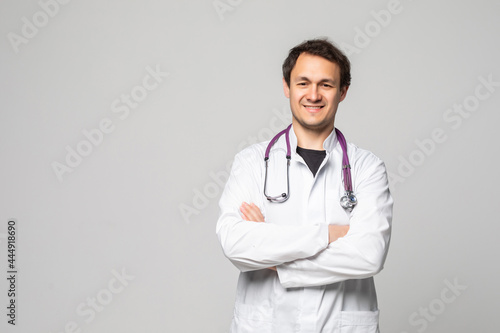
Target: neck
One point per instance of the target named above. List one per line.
(311, 138)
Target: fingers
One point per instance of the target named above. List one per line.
(246, 212)
(250, 212)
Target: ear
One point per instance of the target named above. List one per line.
(343, 93)
(286, 89)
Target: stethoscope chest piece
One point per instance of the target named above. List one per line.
(348, 201)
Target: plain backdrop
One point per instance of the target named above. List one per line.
(140, 201)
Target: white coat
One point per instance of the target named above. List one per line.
(318, 287)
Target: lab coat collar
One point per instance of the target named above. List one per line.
(329, 144)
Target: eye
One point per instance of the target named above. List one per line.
(301, 84)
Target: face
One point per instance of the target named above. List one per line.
(314, 93)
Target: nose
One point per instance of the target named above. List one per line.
(313, 94)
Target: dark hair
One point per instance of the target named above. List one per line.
(323, 48)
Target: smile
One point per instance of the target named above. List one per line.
(313, 108)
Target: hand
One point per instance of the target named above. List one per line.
(251, 212)
(336, 231)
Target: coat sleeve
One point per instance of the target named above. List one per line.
(362, 252)
(253, 245)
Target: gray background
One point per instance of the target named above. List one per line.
(121, 207)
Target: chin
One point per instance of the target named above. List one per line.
(314, 125)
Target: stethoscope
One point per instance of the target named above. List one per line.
(348, 201)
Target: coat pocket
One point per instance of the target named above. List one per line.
(250, 318)
(359, 322)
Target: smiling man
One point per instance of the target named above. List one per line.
(307, 262)
(315, 91)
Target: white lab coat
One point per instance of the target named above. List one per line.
(318, 287)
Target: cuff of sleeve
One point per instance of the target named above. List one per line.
(285, 274)
(284, 270)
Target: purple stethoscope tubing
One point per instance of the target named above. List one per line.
(348, 201)
(284, 196)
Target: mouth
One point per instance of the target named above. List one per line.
(313, 108)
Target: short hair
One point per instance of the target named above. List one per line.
(319, 47)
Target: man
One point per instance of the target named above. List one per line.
(307, 263)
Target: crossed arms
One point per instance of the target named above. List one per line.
(251, 212)
(311, 254)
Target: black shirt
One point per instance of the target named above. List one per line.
(313, 158)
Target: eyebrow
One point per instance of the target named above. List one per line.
(305, 78)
